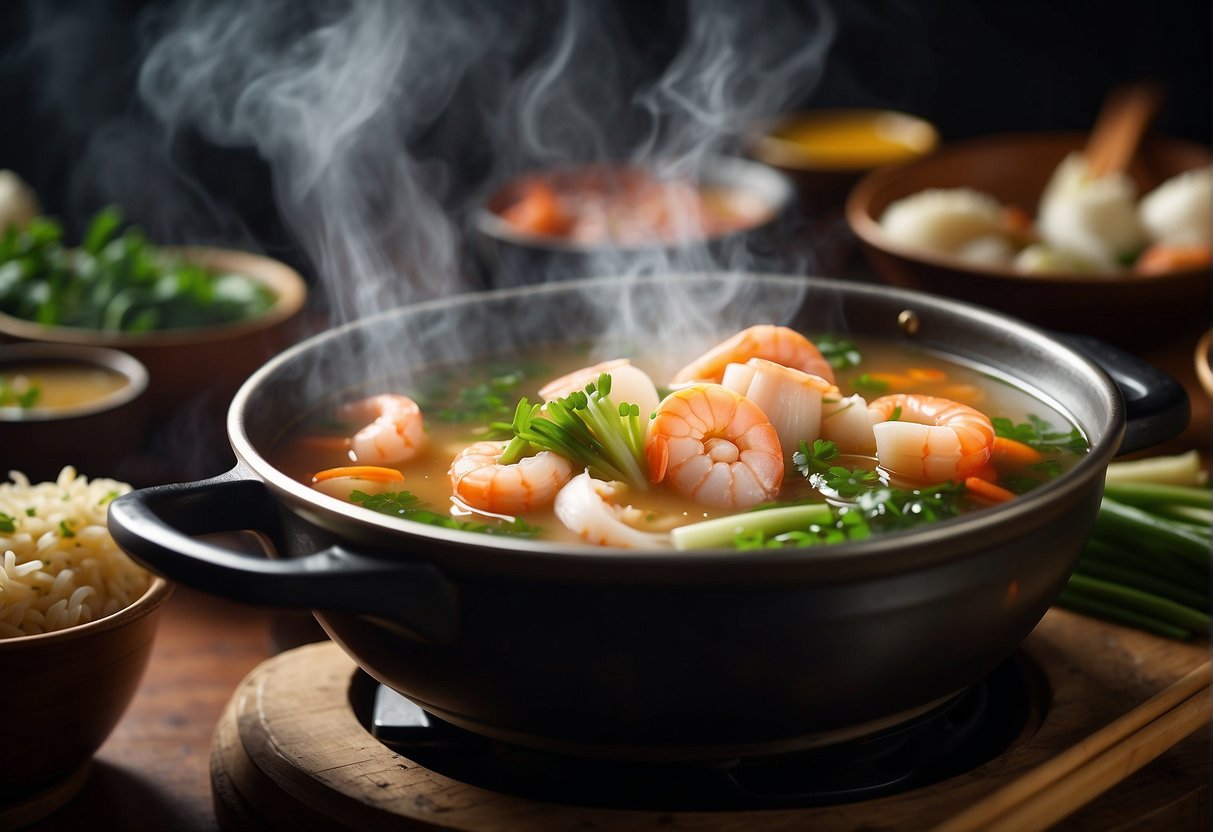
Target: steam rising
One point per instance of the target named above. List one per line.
(384, 124)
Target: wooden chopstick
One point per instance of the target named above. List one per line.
(1122, 122)
(1057, 788)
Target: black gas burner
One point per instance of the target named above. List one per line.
(960, 735)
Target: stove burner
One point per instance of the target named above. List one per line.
(960, 735)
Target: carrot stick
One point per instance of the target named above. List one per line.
(1161, 258)
(927, 374)
(988, 490)
(362, 472)
(986, 472)
(1014, 452)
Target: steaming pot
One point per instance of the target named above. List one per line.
(656, 655)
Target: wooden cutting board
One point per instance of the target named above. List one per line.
(290, 754)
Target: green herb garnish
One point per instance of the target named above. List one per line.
(408, 506)
(65, 529)
(116, 282)
(24, 395)
(869, 386)
(840, 352)
(1041, 435)
(8, 523)
(588, 428)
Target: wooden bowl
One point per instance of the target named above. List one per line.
(1014, 169)
(201, 364)
(93, 435)
(63, 694)
(1204, 361)
(825, 152)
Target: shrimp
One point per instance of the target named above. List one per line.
(715, 446)
(591, 508)
(775, 343)
(628, 384)
(933, 439)
(395, 434)
(483, 483)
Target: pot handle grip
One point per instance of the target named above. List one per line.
(1157, 407)
(157, 527)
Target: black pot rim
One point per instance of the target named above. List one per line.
(895, 553)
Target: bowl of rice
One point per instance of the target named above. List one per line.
(77, 622)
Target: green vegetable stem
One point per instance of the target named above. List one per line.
(1147, 564)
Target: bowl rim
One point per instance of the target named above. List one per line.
(152, 599)
(786, 153)
(866, 227)
(287, 284)
(125, 364)
(491, 225)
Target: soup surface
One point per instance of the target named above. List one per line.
(54, 385)
(625, 206)
(773, 452)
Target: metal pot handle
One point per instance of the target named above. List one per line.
(1157, 407)
(156, 526)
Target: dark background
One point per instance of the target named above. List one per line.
(970, 67)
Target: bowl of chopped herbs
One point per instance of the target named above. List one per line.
(201, 319)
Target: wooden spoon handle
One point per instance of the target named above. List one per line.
(1122, 122)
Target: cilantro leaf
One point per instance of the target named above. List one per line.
(407, 505)
(1041, 435)
(870, 386)
(840, 352)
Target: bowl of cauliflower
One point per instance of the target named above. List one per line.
(1018, 222)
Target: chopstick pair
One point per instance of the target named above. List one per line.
(1057, 788)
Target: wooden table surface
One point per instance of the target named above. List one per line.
(153, 772)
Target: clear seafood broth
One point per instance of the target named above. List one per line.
(462, 405)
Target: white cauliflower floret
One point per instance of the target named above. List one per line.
(943, 219)
(1092, 219)
(1177, 211)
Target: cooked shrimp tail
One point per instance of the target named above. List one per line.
(395, 434)
(716, 447)
(930, 439)
(481, 480)
(779, 344)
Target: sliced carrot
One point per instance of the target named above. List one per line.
(1018, 224)
(986, 472)
(1014, 452)
(988, 490)
(1160, 258)
(927, 374)
(895, 381)
(537, 211)
(374, 473)
(969, 394)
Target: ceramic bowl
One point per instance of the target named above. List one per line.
(91, 418)
(63, 694)
(205, 364)
(826, 151)
(1014, 169)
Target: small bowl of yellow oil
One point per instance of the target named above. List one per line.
(826, 151)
